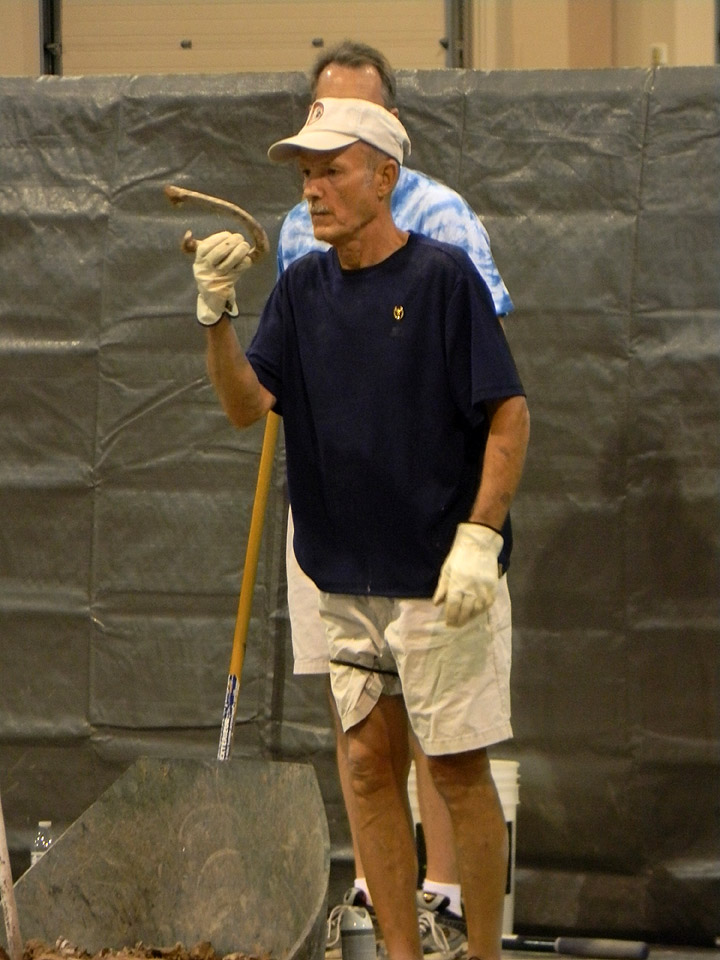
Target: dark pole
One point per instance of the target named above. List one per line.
(51, 45)
(458, 33)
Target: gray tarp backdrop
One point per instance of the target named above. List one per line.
(125, 496)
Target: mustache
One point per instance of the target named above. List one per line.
(315, 208)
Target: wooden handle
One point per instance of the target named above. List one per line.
(7, 895)
(247, 588)
(177, 195)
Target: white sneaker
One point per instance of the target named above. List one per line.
(443, 933)
(438, 941)
(438, 904)
(353, 897)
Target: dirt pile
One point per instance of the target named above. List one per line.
(62, 950)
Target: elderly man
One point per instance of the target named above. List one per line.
(423, 205)
(406, 429)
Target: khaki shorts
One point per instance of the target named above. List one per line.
(455, 680)
(310, 649)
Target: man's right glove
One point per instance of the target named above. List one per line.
(469, 576)
(219, 261)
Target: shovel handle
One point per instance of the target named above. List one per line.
(7, 895)
(247, 587)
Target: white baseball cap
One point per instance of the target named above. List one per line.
(336, 122)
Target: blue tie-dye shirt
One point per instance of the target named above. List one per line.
(424, 206)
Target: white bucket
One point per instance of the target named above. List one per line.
(506, 776)
(505, 773)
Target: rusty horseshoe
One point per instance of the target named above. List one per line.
(177, 195)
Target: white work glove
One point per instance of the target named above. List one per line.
(219, 261)
(469, 577)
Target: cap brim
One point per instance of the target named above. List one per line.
(322, 141)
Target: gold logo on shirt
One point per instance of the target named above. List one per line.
(399, 313)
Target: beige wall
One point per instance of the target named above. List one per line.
(19, 38)
(590, 33)
(685, 29)
(638, 26)
(144, 36)
(227, 35)
(696, 31)
(539, 34)
(555, 34)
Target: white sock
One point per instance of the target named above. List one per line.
(449, 890)
(361, 884)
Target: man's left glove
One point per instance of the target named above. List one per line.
(219, 261)
(469, 577)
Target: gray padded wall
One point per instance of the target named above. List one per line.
(126, 497)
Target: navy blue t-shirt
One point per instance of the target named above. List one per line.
(381, 375)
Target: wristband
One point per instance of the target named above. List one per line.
(481, 523)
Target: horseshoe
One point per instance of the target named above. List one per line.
(177, 195)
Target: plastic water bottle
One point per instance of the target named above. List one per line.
(42, 842)
(357, 937)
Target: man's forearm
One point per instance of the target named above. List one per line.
(503, 462)
(242, 396)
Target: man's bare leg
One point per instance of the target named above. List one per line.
(378, 762)
(341, 749)
(441, 864)
(481, 841)
(437, 825)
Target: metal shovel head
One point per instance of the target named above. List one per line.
(236, 853)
